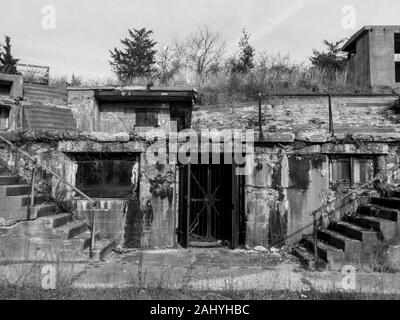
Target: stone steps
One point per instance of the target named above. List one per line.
(354, 239)
(375, 210)
(393, 203)
(42, 210)
(14, 190)
(40, 117)
(333, 256)
(102, 248)
(72, 229)
(9, 180)
(57, 220)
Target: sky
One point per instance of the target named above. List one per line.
(85, 30)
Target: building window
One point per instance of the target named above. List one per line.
(397, 43)
(105, 176)
(351, 171)
(146, 118)
(397, 71)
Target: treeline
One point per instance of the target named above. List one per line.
(200, 60)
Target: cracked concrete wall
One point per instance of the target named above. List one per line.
(157, 198)
(279, 193)
(286, 185)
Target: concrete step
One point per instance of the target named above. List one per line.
(103, 248)
(52, 120)
(51, 128)
(393, 203)
(9, 180)
(35, 109)
(334, 256)
(355, 231)
(57, 220)
(42, 210)
(305, 256)
(50, 115)
(19, 201)
(351, 247)
(72, 229)
(375, 210)
(386, 228)
(50, 124)
(86, 239)
(15, 190)
(394, 194)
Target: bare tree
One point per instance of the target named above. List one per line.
(204, 51)
(170, 61)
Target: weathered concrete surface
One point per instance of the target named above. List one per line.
(220, 270)
(16, 84)
(38, 241)
(307, 119)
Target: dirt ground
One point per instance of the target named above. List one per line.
(221, 272)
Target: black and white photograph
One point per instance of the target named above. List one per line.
(199, 156)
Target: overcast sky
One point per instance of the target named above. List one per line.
(87, 29)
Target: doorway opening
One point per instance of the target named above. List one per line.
(211, 209)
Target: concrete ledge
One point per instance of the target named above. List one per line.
(93, 146)
(16, 84)
(275, 137)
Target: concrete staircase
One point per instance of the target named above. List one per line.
(357, 238)
(42, 227)
(38, 117)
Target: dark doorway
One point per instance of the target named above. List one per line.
(397, 71)
(4, 118)
(211, 207)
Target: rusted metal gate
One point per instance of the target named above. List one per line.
(211, 200)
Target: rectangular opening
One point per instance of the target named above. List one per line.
(146, 118)
(397, 43)
(211, 210)
(351, 171)
(5, 87)
(101, 175)
(397, 71)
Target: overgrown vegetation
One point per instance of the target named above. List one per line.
(200, 60)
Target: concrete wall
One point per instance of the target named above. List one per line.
(362, 62)
(117, 116)
(373, 63)
(382, 57)
(280, 193)
(285, 187)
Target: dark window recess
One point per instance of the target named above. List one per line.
(105, 177)
(5, 87)
(4, 116)
(397, 43)
(146, 118)
(350, 172)
(397, 71)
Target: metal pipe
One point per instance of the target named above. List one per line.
(331, 129)
(93, 234)
(260, 117)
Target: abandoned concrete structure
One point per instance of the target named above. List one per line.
(95, 139)
(374, 57)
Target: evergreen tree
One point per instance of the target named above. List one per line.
(245, 62)
(137, 57)
(7, 62)
(334, 59)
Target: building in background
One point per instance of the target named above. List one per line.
(374, 58)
